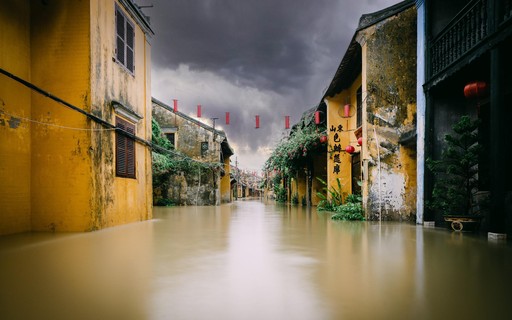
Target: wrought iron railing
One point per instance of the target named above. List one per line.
(463, 33)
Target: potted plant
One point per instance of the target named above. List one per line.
(456, 176)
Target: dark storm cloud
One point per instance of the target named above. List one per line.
(264, 43)
(267, 57)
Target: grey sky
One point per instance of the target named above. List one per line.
(261, 57)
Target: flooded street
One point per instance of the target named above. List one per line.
(248, 260)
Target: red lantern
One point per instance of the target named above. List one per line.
(346, 111)
(199, 111)
(257, 122)
(227, 117)
(350, 149)
(360, 141)
(317, 117)
(175, 105)
(287, 122)
(323, 139)
(475, 89)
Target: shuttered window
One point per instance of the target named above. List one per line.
(125, 40)
(125, 150)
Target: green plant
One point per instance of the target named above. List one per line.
(352, 209)
(280, 193)
(456, 180)
(335, 199)
(295, 198)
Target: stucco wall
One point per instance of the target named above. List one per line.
(61, 165)
(389, 57)
(119, 200)
(57, 171)
(195, 188)
(15, 101)
(341, 134)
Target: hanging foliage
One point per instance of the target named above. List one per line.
(292, 152)
(169, 161)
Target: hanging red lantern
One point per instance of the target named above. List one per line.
(175, 105)
(227, 117)
(346, 110)
(199, 111)
(287, 122)
(360, 141)
(323, 139)
(350, 149)
(317, 117)
(257, 122)
(475, 89)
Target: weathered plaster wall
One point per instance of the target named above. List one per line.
(61, 164)
(390, 63)
(225, 182)
(119, 200)
(341, 134)
(15, 102)
(190, 189)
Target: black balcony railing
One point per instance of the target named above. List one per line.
(463, 33)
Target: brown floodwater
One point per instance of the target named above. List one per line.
(250, 260)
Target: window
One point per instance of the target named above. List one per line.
(171, 137)
(125, 150)
(125, 37)
(359, 117)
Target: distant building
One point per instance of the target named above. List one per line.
(202, 143)
(371, 115)
(75, 115)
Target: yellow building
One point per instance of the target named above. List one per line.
(75, 112)
(371, 114)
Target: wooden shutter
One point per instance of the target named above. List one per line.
(125, 150)
(129, 46)
(120, 36)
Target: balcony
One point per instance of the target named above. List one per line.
(473, 25)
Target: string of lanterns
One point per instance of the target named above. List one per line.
(317, 117)
(227, 115)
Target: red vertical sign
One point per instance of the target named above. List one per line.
(287, 122)
(227, 117)
(175, 105)
(199, 111)
(257, 122)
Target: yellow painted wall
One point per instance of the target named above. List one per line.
(122, 200)
(341, 139)
(15, 102)
(61, 165)
(57, 174)
(225, 182)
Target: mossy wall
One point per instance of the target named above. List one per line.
(390, 113)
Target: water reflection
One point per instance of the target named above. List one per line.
(251, 260)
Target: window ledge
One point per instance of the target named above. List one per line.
(126, 112)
